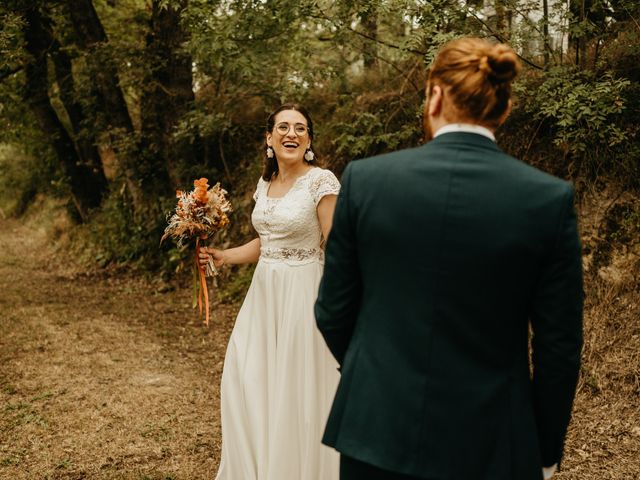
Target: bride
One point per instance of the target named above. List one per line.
(279, 378)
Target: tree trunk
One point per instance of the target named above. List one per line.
(91, 37)
(85, 138)
(86, 187)
(369, 21)
(582, 44)
(167, 97)
(578, 39)
(545, 32)
(503, 19)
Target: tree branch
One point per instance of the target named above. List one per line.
(324, 16)
(262, 38)
(532, 24)
(11, 71)
(631, 17)
(500, 38)
(406, 76)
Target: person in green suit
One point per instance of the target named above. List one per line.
(444, 265)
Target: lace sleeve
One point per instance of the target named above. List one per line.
(325, 183)
(258, 188)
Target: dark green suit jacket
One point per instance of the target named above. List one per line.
(439, 259)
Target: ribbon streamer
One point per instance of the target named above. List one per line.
(201, 285)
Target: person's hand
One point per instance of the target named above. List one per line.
(217, 255)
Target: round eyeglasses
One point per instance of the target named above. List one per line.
(300, 129)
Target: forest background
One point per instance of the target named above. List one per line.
(108, 106)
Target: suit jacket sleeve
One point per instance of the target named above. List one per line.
(557, 335)
(339, 296)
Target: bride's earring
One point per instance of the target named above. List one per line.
(309, 156)
(269, 152)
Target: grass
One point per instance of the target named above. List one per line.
(64, 464)
(42, 396)
(9, 389)
(22, 413)
(158, 432)
(8, 461)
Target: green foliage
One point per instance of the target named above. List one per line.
(366, 136)
(438, 40)
(11, 54)
(627, 229)
(585, 110)
(115, 236)
(22, 177)
(247, 46)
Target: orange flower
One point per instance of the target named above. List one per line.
(200, 192)
(202, 183)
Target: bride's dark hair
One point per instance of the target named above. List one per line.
(271, 164)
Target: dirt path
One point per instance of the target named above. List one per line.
(102, 377)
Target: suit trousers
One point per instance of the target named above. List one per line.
(352, 469)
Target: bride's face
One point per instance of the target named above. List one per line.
(289, 137)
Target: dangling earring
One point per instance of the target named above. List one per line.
(269, 152)
(309, 156)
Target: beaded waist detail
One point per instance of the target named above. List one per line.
(292, 255)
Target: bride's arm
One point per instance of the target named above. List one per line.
(247, 253)
(326, 207)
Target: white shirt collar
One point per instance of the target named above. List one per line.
(467, 128)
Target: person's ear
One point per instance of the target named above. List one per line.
(434, 102)
(269, 140)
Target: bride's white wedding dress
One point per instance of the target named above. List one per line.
(279, 377)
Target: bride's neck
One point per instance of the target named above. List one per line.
(286, 173)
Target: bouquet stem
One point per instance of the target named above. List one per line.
(210, 268)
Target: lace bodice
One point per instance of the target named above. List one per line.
(288, 226)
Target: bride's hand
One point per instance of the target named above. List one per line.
(217, 255)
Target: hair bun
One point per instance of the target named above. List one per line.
(500, 63)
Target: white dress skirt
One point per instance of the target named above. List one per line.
(279, 378)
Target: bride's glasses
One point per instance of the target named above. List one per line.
(300, 129)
